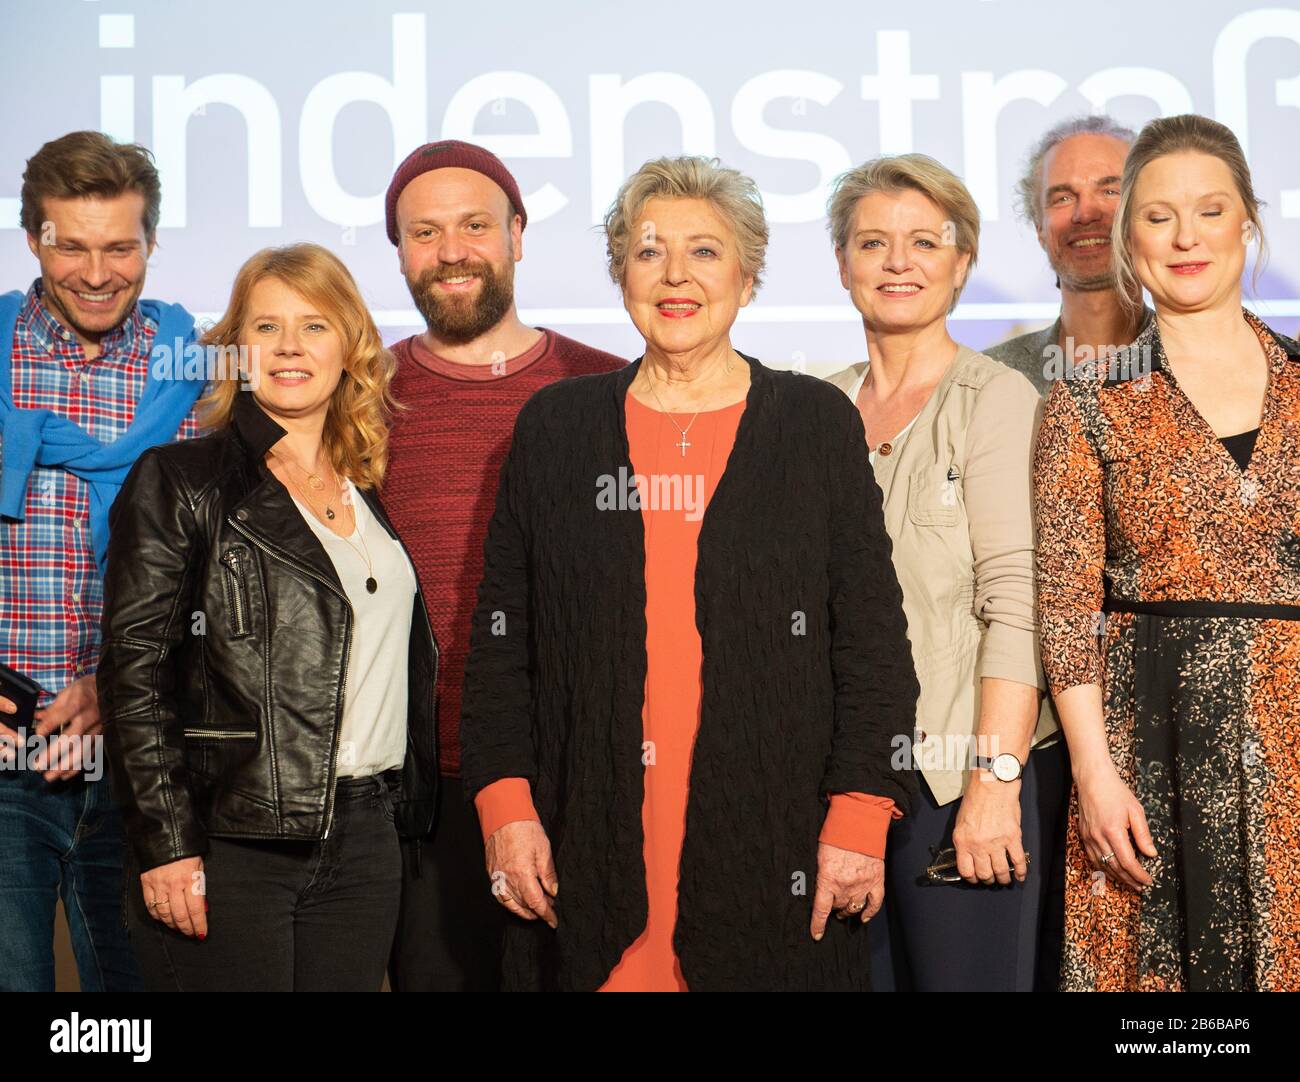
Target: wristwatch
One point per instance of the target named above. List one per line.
(1004, 767)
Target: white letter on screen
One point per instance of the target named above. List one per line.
(754, 133)
(983, 100)
(403, 100)
(553, 138)
(611, 101)
(896, 88)
(1172, 98)
(1230, 78)
(173, 105)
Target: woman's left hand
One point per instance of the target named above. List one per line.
(852, 884)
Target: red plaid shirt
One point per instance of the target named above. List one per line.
(51, 594)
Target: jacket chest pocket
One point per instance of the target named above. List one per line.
(934, 496)
(234, 563)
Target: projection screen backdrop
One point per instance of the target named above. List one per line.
(282, 121)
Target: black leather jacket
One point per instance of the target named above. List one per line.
(226, 635)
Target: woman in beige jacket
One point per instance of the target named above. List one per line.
(950, 434)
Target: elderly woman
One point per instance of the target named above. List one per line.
(688, 660)
(951, 435)
(1168, 499)
(267, 674)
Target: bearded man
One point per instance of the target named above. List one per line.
(1069, 194)
(456, 216)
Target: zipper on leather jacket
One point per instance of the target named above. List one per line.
(235, 591)
(334, 765)
(347, 650)
(220, 734)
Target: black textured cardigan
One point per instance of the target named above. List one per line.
(807, 680)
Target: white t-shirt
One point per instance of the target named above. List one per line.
(897, 441)
(373, 736)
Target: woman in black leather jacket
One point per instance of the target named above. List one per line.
(267, 671)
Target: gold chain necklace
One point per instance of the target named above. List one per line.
(371, 584)
(314, 482)
(664, 410)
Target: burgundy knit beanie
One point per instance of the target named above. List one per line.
(448, 154)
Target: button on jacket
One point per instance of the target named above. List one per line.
(958, 506)
(226, 637)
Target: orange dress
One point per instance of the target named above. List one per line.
(675, 491)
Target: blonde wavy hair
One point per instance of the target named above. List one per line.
(356, 425)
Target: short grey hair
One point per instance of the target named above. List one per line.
(733, 195)
(1029, 188)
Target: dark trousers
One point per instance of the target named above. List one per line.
(962, 938)
(61, 840)
(288, 916)
(449, 931)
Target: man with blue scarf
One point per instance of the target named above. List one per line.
(91, 375)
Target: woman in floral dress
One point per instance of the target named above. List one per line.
(1167, 491)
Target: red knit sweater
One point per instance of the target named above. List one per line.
(446, 451)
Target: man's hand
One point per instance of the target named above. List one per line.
(72, 715)
(987, 830)
(523, 875)
(8, 736)
(850, 883)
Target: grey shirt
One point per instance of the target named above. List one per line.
(1028, 353)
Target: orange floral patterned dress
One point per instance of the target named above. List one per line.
(1170, 576)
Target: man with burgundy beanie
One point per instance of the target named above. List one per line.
(457, 218)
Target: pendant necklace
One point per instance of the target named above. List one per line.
(684, 442)
(371, 584)
(314, 482)
(662, 409)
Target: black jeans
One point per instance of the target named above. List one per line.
(449, 934)
(287, 916)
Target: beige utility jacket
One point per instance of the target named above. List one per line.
(958, 505)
